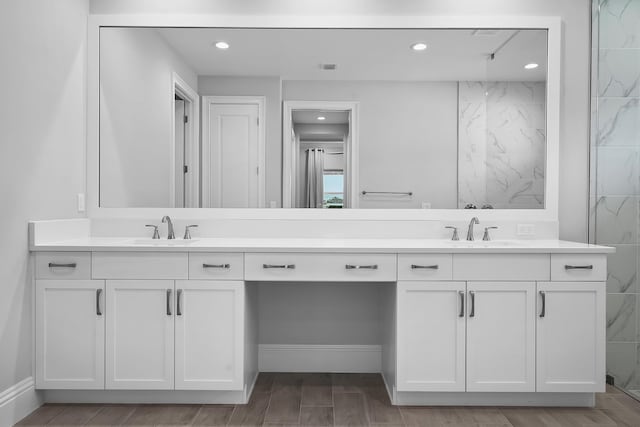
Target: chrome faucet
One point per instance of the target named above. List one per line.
(474, 220)
(170, 234)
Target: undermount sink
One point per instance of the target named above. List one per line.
(162, 242)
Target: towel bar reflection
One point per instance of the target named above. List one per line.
(397, 193)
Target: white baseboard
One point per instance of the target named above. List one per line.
(494, 399)
(319, 358)
(146, 396)
(18, 401)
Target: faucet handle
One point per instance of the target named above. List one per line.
(454, 236)
(486, 236)
(156, 235)
(187, 233)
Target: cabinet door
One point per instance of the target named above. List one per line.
(209, 335)
(139, 344)
(571, 337)
(501, 336)
(431, 336)
(69, 334)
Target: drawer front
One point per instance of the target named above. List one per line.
(216, 266)
(140, 265)
(320, 267)
(501, 267)
(580, 267)
(63, 265)
(425, 267)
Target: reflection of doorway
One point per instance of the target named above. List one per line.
(320, 154)
(233, 152)
(185, 150)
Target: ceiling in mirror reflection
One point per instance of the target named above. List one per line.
(298, 54)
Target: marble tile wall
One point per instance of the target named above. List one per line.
(501, 140)
(615, 176)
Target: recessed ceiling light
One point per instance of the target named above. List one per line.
(222, 45)
(531, 66)
(419, 46)
(322, 118)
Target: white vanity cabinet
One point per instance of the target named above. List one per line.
(459, 336)
(70, 328)
(464, 328)
(140, 334)
(431, 326)
(70, 322)
(209, 325)
(501, 336)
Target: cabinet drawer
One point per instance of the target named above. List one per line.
(320, 267)
(583, 267)
(425, 267)
(501, 267)
(63, 265)
(216, 266)
(140, 265)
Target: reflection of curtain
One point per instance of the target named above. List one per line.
(313, 186)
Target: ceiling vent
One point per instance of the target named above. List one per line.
(328, 67)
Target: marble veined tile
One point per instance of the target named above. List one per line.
(619, 72)
(502, 144)
(622, 362)
(616, 220)
(619, 24)
(618, 121)
(622, 270)
(621, 317)
(617, 172)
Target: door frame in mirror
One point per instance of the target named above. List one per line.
(350, 150)
(552, 24)
(192, 151)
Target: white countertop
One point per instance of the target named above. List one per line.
(383, 245)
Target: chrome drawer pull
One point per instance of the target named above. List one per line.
(361, 267)
(544, 304)
(427, 267)
(578, 267)
(225, 266)
(179, 302)
(98, 308)
(287, 266)
(56, 265)
(472, 313)
(461, 293)
(168, 302)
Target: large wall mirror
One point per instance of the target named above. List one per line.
(322, 118)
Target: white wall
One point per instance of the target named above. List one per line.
(268, 87)
(42, 154)
(574, 109)
(407, 133)
(136, 110)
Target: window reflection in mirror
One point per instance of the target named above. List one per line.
(458, 122)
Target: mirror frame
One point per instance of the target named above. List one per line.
(552, 24)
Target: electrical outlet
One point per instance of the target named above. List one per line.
(273, 204)
(82, 205)
(426, 205)
(526, 230)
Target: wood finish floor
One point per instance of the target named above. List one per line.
(335, 399)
